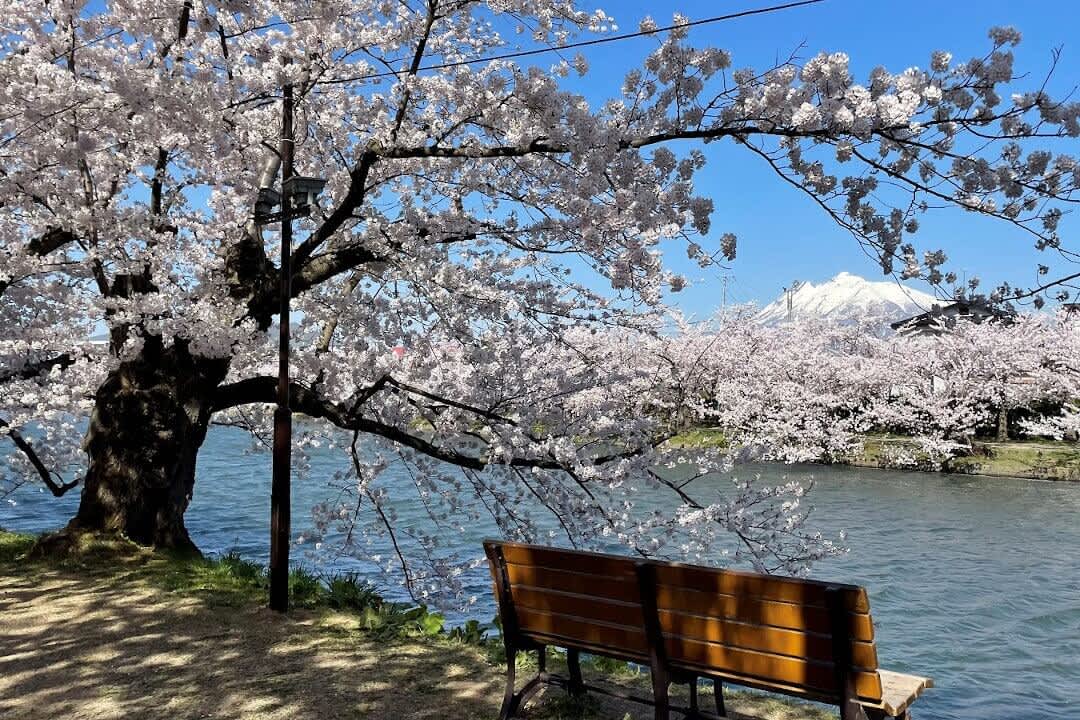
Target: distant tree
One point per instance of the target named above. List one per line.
(474, 213)
(812, 390)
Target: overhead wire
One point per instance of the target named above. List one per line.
(573, 45)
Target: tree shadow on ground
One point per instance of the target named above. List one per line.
(77, 646)
(98, 644)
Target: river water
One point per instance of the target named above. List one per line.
(973, 581)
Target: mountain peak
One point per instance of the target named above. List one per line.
(846, 298)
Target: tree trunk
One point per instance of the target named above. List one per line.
(1003, 424)
(150, 419)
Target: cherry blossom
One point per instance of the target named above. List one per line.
(506, 233)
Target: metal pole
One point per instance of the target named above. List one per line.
(280, 491)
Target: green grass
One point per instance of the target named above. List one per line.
(1035, 459)
(226, 580)
(348, 591)
(704, 438)
(1043, 459)
(230, 580)
(14, 545)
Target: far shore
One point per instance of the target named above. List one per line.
(1052, 460)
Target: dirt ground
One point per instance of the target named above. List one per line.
(98, 647)
(76, 647)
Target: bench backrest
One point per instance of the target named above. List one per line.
(758, 630)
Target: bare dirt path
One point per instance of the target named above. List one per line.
(101, 648)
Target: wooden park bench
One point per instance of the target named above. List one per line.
(803, 638)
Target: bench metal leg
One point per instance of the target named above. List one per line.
(718, 695)
(851, 710)
(507, 709)
(512, 702)
(660, 697)
(658, 666)
(576, 686)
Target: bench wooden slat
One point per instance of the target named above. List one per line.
(580, 561)
(612, 588)
(763, 638)
(735, 582)
(900, 690)
(582, 630)
(756, 611)
(709, 580)
(606, 611)
(693, 655)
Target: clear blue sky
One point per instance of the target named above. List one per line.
(781, 235)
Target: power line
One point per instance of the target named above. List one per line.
(571, 46)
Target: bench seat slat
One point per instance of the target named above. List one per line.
(898, 691)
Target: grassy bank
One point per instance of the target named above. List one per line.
(699, 438)
(117, 631)
(1034, 459)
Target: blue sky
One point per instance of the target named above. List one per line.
(783, 237)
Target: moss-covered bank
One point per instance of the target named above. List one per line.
(1032, 459)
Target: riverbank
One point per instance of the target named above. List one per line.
(1031, 459)
(121, 632)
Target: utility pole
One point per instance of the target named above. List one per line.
(789, 291)
(280, 491)
(723, 296)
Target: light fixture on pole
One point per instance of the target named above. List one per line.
(304, 192)
(298, 196)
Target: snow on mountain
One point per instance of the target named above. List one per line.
(844, 299)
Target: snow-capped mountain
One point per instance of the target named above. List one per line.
(846, 298)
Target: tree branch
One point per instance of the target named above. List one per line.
(43, 472)
(37, 368)
(262, 389)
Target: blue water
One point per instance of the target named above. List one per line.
(973, 581)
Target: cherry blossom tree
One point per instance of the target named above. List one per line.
(812, 390)
(479, 223)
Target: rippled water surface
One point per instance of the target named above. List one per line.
(974, 581)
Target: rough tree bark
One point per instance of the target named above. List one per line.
(149, 421)
(1003, 424)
